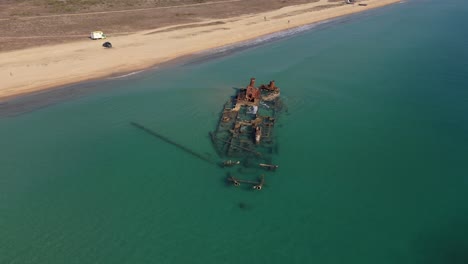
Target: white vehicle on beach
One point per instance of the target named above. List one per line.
(97, 35)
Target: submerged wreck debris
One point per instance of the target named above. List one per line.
(247, 120)
(244, 133)
(167, 140)
(214, 138)
(244, 206)
(268, 166)
(257, 185)
(230, 163)
(245, 128)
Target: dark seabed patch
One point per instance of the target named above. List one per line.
(443, 244)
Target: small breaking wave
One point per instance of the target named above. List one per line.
(125, 75)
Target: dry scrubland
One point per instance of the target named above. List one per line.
(30, 23)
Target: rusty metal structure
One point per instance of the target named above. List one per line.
(245, 128)
(244, 133)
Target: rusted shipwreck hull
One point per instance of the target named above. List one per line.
(245, 127)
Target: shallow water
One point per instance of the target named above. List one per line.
(372, 154)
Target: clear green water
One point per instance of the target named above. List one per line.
(373, 155)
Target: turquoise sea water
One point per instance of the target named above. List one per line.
(373, 155)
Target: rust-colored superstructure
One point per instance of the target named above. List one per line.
(244, 134)
(245, 129)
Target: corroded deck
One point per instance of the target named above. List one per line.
(245, 127)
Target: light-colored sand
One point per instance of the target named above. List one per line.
(40, 68)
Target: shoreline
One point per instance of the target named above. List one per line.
(45, 68)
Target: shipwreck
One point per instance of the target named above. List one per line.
(244, 134)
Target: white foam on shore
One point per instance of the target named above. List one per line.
(125, 75)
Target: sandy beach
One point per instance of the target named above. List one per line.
(34, 69)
